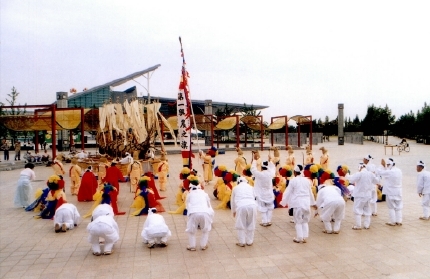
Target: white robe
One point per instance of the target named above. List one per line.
(199, 211)
(364, 182)
(67, 214)
(155, 229)
(243, 204)
(24, 189)
(105, 227)
(299, 196)
(101, 210)
(330, 203)
(263, 188)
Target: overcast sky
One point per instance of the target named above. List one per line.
(298, 57)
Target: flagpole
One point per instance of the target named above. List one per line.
(191, 104)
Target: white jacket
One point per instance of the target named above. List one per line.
(364, 182)
(263, 188)
(423, 182)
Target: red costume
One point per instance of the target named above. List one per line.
(113, 175)
(88, 187)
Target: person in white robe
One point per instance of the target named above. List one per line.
(423, 189)
(244, 208)
(372, 168)
(200, 215)
(263, 190)
(127, 159)
(66, 217)
(105, 227)
(24, 189)
(364, 182)
(102, 210)
(393, 190)
(299, 197)
(155, 231)
(331, 205)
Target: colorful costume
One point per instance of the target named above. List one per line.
(145, 198)
(88, 187)
(55, 198)
(103, 166)
(24, 189)
(75, 176)
(108, 194)
(66, 217)
(281, 183)
(113, 175)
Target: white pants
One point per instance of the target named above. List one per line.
(333, 210)
(426, 205)
(157, 238)
(302, 217)
(266, 210)
(196, 220)
(109, 234)
(64, 216)
(395, 206)
(362, 207)
(245, 223)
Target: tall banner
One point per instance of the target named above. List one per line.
(183, 109)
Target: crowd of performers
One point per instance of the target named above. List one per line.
(250, 189)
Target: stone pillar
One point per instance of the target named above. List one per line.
(62, 102)
(340, 119)
(208, 111)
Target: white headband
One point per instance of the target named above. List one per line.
(421, 163)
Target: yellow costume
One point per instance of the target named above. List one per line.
(324, 160)
(256, 157)
(57, 166)
(240, 161)
(135, 172)
(75, 177)
(276, 159)
(207, 166)
(103, 165)
(291, 161)
(309, 157)
(163, 170)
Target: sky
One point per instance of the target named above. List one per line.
(297, 57)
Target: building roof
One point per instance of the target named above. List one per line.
(115, 82)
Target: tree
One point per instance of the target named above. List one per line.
(12, 102)
(422, 121)
(377, 120)
(404, 127)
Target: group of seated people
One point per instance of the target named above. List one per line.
(37, 158)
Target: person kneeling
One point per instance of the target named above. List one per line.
(155, 230)
(102, 226)
(66, 217)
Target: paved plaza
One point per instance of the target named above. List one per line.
(29, 248)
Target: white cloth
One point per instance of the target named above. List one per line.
(198, 201)
(67, 214)
(330, 203)
(364, 182)
(392, 181)
(102, 210)
(126, 160)
(243, 204)
(82, 155)
(105, 227)
(263, 188)
(242, 195)
(298, 194)
(423, 182)
(155, 229)
(24, 189)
